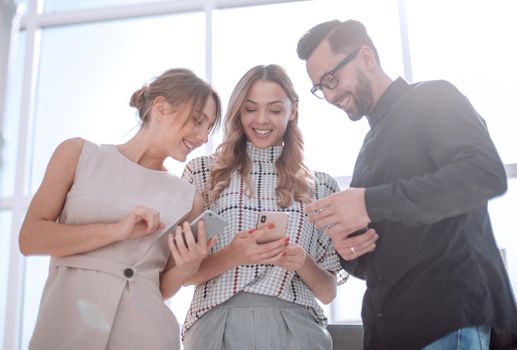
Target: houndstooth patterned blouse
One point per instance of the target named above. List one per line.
(241, 212)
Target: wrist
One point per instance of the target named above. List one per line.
(229, 260)
(114, 232)
(184, 272)
(304, 264)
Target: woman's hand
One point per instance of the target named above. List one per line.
(293, 258)
(186, 252)
(244, 248)
(139, 222)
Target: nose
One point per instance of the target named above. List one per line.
(329, 95)
(262, 116)
(202, 135)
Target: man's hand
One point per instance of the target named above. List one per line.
(350, 248)
(343, 212)
(340, 215)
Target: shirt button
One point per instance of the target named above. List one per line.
(129, 272)
(379, 315)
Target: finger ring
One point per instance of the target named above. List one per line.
(352, 249)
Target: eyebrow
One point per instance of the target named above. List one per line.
(203, 115)
(269, 103)
(211, 124)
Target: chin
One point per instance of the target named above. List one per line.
(258, 143)
(353, 116)
(180, 158)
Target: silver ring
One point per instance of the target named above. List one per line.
(352, 249)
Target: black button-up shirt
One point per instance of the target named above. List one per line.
(429, 167)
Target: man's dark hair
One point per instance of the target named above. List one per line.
(344, 37)
(310, 40)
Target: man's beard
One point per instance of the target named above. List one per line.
(362, 98)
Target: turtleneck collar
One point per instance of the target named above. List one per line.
(268, 155)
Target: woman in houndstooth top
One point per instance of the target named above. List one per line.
(250, 295)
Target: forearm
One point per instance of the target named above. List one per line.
(171, 281)
(453, 190)
(321, 282)
(212, 266)
(55, 239)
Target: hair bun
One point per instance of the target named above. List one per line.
(138, 99)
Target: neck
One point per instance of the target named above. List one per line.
(379, 85)
(141, 150)
(268, 154)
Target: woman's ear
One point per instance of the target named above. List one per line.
(294, 111)
(160, 107)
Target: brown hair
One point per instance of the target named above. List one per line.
(344, 37)
(314, 36)
(295, 180)
(181, 88)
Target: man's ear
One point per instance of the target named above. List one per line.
(367, 57)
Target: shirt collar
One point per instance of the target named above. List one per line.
(391, 95)
(270, 154)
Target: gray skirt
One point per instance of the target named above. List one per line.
(257, 322)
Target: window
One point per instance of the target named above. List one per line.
(502, 212)
(87, 71)
(87, 75)
(323, 126)
(466, 50)
(5, 245)
(76, 5)
(446, 43)
(11, 121)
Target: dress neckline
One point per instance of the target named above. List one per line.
(135, 164)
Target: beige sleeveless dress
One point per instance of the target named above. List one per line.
(109, 298)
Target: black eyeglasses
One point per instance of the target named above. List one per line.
(328, 80)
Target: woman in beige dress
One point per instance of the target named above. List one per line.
(103, 213)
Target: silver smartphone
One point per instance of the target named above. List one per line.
(213, 223)
(278, 218)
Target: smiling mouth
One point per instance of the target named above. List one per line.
(189, 146)
(344, 103)
(262, 132)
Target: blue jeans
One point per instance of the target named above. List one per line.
(471, 338)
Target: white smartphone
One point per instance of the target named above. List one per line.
(213, 223)
(279, 219)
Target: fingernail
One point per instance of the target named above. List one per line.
(286, 240)
(271, 226)
(251, 231)
(284, 254)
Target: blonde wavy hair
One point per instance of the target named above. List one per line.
(295, 180)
